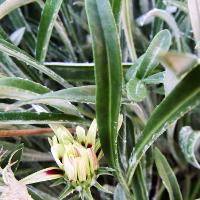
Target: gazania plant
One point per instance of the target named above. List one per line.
(77, 159)
(99, 99)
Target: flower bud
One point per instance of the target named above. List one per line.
(92, 160)
(91, 134)
(58, 151)
(70, 166)
(80, 132)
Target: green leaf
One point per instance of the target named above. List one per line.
(83, 94)
(37, 118)
(105, 171)
(88, 193)
(18, 20)
(131, 72)
(58, 182)
(101, 188)
(139, 188)
(160, 44)
(116, 5)
(14, 51)
(188, 141)
(66, 191)
(108, 71)
(47, 21)
(138, 185)
(169, 19)
(20, 89)
(70, 70)
(34, 194)
(37, 194)
(29, 155)
(7, 7)
(14, 158)
(154, 79)
(136, 90)
(22, 84)
(184, 97)
(167, 175)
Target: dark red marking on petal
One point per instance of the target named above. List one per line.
(54, 171)
(89, 145)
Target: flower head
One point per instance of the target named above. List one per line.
(77, 155)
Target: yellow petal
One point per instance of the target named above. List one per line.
(80, 132)
(70, 167)
(91, 135)
(43, 175)
(93, 160)
(62, 133)
(84, 155)
(81, 166)
(120, 121)
(58, 151)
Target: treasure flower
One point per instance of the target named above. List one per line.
(77, 157)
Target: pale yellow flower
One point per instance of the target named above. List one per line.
(77, 155)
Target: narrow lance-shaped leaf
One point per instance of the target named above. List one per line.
(13, 157)
(46, 25)
(169, 19)
(139, 185)
(188, 141)
(66, 191)
(167, 175)
(25, 90)
(70, 70)
(108, 71)
(10, 5)
(14, 51)
(136, 89)
(37, 118)
(83, 94)
(116, 5)
(184, 97)
(160, 44)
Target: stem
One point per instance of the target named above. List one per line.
(124, 185)
(28, 132)
(88, 194)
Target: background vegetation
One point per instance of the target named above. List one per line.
(78, 60)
